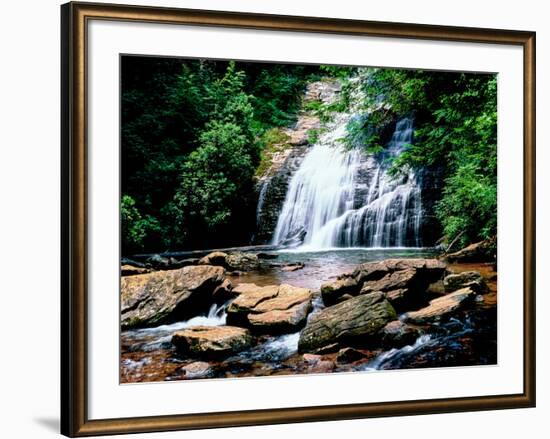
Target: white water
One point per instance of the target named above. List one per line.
(326, 201)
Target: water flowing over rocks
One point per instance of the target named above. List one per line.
(165, 296)
(211, 341)
(350, 323)
(273, 309)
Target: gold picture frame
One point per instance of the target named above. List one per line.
(74, 390)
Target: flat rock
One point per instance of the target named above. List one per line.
(165, 296)
(353, 322)
(211, 341)
(271, 309)
(349, 355)
(442, 307)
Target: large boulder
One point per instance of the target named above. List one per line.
(270, 309)
(354, 322)
(404, 280)
(472, 279)
(442, 308)
(164, 296)
(242, 261)
(404, 289)
(211, 341)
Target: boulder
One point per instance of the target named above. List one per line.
(403, 288)
(130, 270)
(242, 261)
(411, 276)
(211, 341)
(165, 296)
(214, 258)
(270, 309)
(331, 292)
(197, 370)
(442, 307)
(349, 355)
(353, 322)
(397, 334)
(472, 279)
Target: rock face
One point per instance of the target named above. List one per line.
(211, 341)
(472, 279)
(404, 281)
(273, 185)
(270, 309)
(442, 307)
(164, 296)
(353, 322)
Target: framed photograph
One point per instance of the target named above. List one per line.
(271, 219)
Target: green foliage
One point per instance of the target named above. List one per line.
(135, 227)
(192, 136)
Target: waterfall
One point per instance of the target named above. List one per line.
(346, 198)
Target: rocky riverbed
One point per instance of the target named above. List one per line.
(243, 314)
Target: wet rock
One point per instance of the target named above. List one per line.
(130, 270)
(165, 296)
(211, 341)
(223, 292)
(397, 334)
(353, 322)
(235, 273)
(270, 309)
(242, 261)
(214, 258)
(472, 279)
(293, 267)
(442, 307)
(196, 370)
(349, 355)
(158, 262)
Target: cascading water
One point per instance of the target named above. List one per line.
(346, 198)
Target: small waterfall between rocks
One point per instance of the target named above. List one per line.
(346, 198)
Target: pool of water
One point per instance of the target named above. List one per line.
(322, 265)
